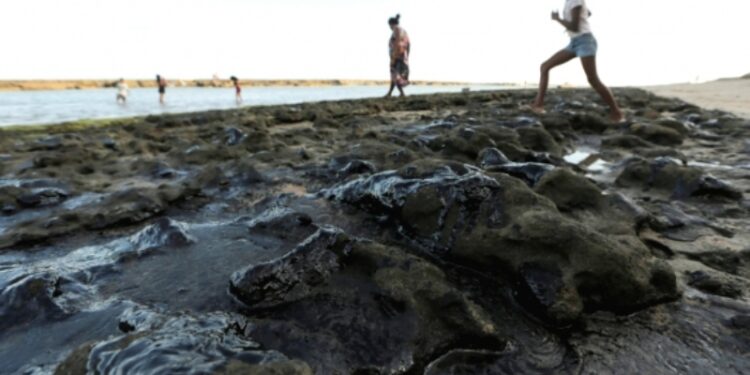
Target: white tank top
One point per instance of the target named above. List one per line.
(583, 27)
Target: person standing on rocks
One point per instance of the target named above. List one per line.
(575, 19)
(162, 83)
(122, 91)
(237, 89)
(399, 48)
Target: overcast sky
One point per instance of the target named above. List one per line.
(640, 41)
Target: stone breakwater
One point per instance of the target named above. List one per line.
(439, 234)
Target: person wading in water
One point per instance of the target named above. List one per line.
(237, 89)
(575, 19)
(162, 83)
(122, 91)
(399, 48)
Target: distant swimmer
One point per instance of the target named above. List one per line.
(237, 89)
(122, 91)
(162, 83)
(399, 48)
(575, 19)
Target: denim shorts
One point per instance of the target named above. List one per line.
(583, 45)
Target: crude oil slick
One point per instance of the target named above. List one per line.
(438, 234)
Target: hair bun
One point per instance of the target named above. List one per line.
(398, 17)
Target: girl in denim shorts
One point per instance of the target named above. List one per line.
(575, 19)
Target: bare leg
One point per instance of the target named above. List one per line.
(559, 58)
(589, 66)
(161, 98)
(390, 91)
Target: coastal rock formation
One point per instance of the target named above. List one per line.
(675, 179)
(53, 290)
(498, 224)
(437, 234)
(332, 297)
(156, 344)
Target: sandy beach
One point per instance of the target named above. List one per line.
(732, 95)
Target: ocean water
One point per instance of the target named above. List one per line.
(49, 107)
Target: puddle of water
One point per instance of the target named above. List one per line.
(195, 277)
(600, 166)
(82, 200)
(584, 154)
(43, 345)
(91, 257)
(597, 168)
(9, 182)
(711, 165)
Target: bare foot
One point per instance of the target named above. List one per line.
(533, 108)
(616, 117)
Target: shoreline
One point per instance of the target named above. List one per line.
(86, 84)
(84, 124)
(729, 95)
(55, 125)
(716, 95)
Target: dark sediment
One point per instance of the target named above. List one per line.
(440, 234)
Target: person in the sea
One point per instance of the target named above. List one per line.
(237, 89)
(162, 83)
(122, 91)
(399, 48)
(575, 19)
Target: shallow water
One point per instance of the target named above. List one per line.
(171, 265)
(46, 107)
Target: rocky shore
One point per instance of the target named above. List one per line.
(442, 234)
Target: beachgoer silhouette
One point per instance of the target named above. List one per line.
(399, 48)
(575, 19)
(122, 91)
(237, 89)
(162, 83)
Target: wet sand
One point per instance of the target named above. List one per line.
(732, 95)
(435, 234)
